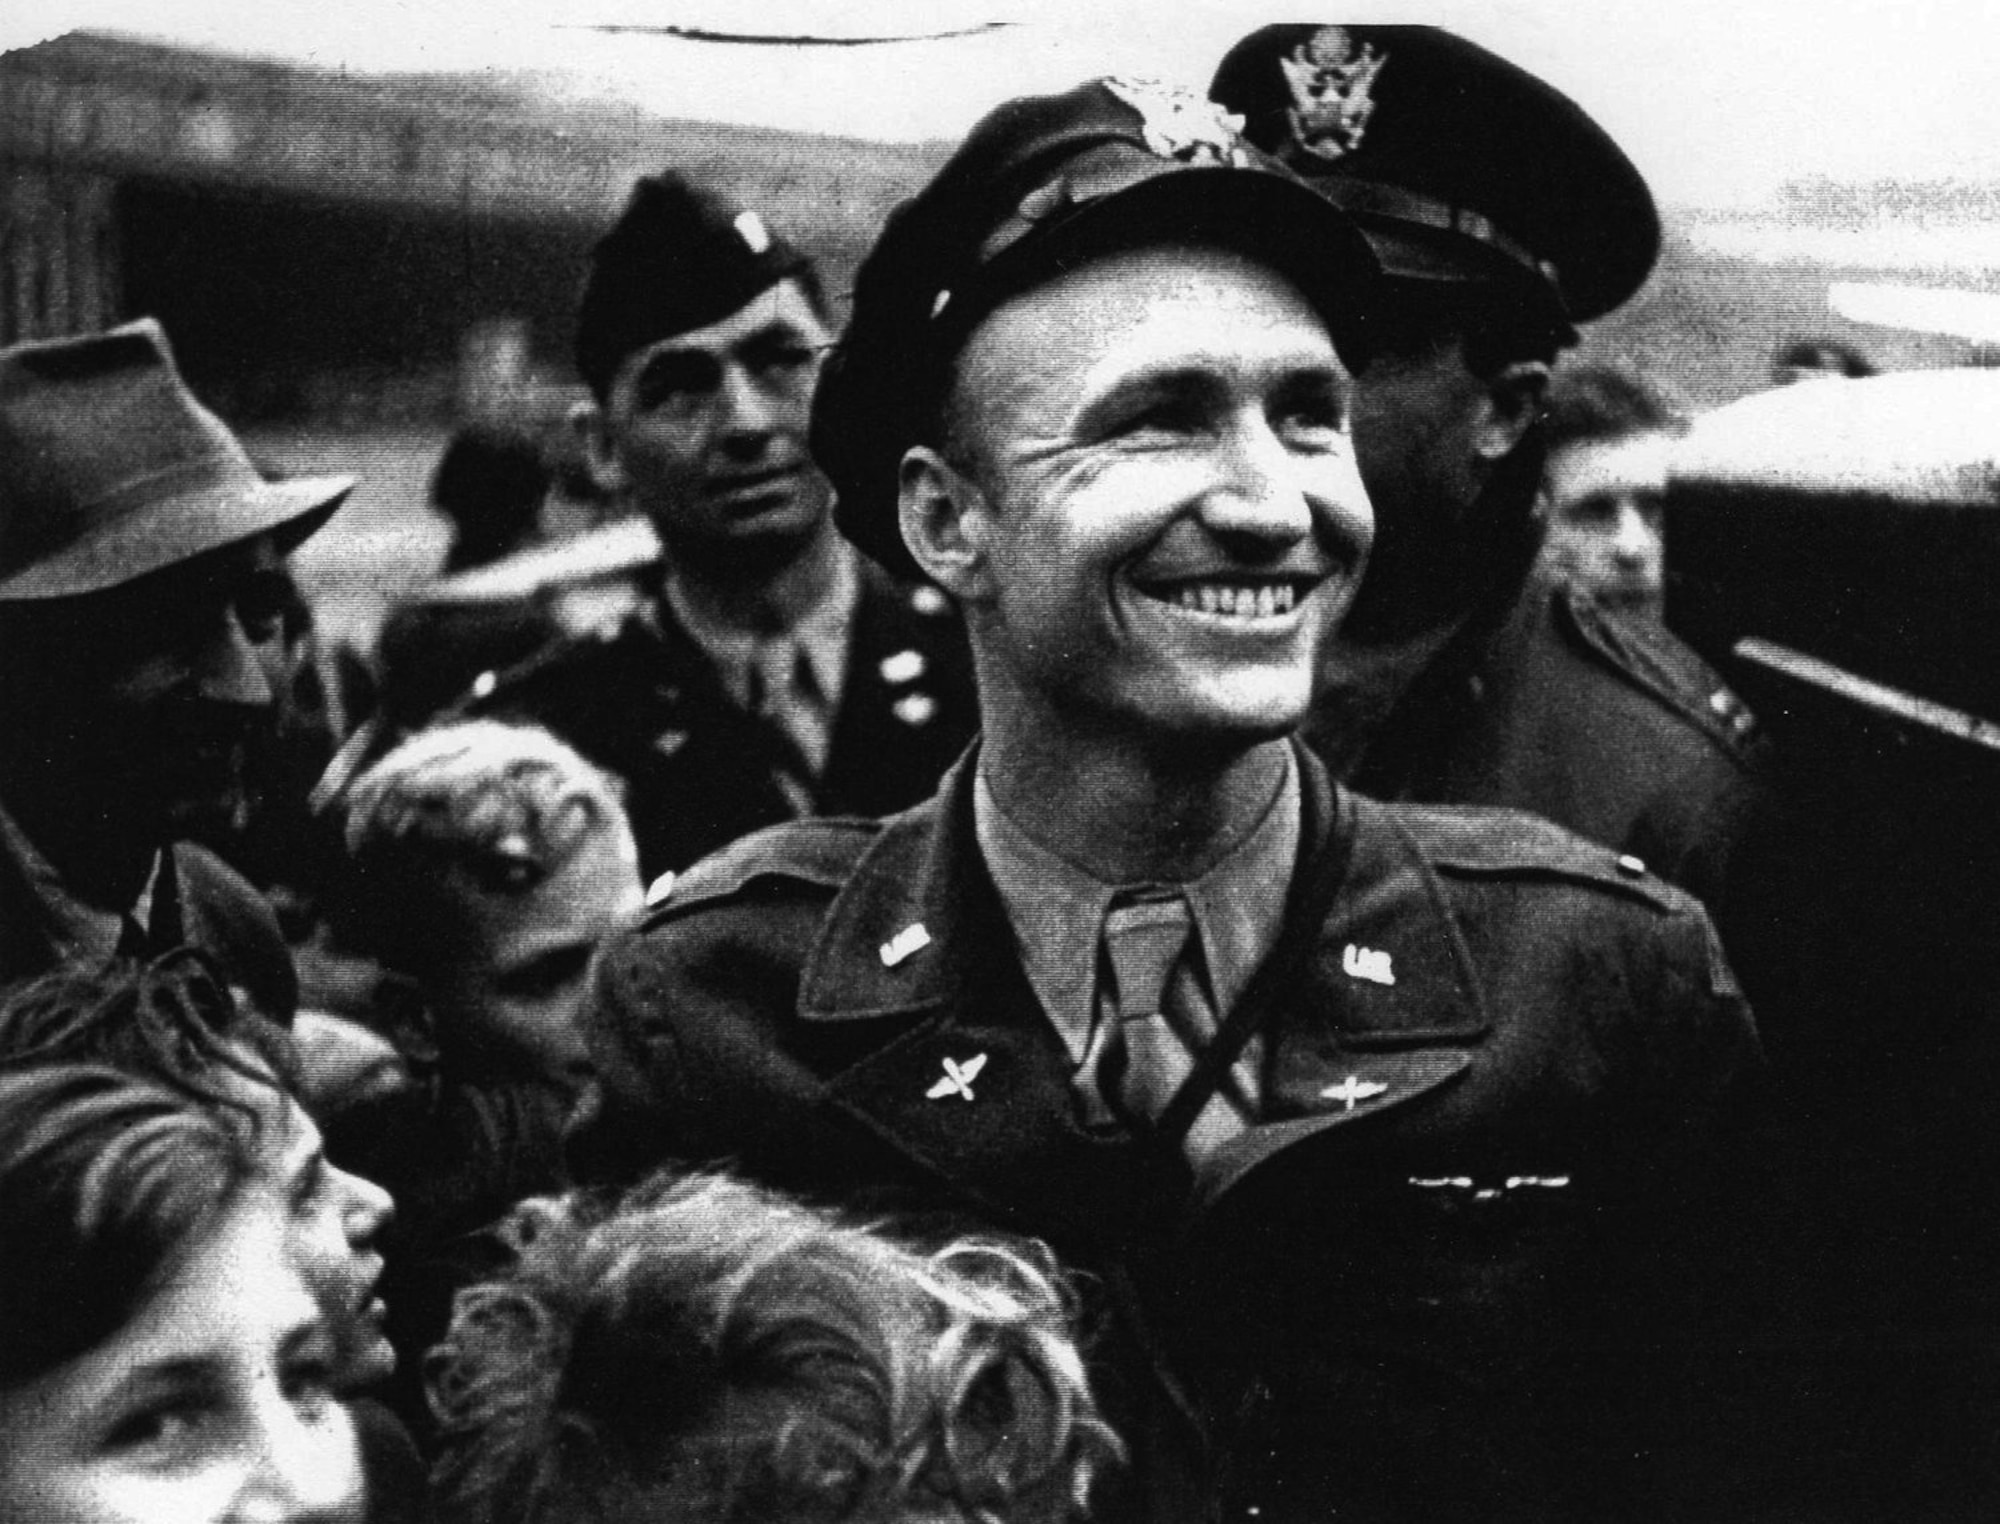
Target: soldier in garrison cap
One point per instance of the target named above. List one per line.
(142, 634)
(1504, 216)
(1391, 1106)
(771, 673)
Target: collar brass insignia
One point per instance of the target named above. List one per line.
(1180, 125)
(1332, 84)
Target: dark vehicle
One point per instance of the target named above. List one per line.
(1836, 552)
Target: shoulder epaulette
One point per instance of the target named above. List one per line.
(917, 597)
(1660, 666)
(1468, 841)
(821, 852)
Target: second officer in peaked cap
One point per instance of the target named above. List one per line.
(1458, 165)
(1504, 216)
(1139, 960)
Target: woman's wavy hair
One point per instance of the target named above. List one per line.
(709, 1351)
(171, 1020)
(107, 1183)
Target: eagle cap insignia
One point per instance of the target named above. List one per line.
(1180, 125)
(1333, 91)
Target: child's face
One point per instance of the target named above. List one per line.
(512, 971)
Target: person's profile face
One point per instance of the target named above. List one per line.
(512, 969)
(214, 1404)
(706, 431)
(333, 1220)
(1169, 513)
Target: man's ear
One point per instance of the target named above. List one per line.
(944, 516)
(1513, 402)
(600, 456)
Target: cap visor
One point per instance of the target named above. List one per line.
(616, 550)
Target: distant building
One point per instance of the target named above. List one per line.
(321, 245)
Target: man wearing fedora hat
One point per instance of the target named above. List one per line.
(1504, 216)
(141, 608)
(771, 672)
(1384, 1109)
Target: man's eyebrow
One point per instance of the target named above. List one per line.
(1168, 381)
(1181, 379)
(662, 358)
(777, 331)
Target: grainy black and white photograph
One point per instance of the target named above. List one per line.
(946, 763)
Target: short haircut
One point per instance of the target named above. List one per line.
(1588, 402)
(707, 1351)
(171, 1021)
(504, 806)
(107, 1184)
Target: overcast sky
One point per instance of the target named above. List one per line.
(1717, 102)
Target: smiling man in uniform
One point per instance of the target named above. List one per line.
(1325, 1094)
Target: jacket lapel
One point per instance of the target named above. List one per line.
(969, 1079)
(1390, 1008)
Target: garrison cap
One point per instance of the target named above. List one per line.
(1041, 185)
(679, 258)
(1458, 165)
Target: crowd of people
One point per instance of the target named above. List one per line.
(1134, 919)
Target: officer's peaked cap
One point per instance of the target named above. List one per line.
(1041, 185)
(1457, 164)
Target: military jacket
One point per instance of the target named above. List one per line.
(1487, 1100)
(1604, 724)
(198, 901)
(648, 705)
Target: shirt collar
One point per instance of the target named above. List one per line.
(71, 928)
(821, 631)
(1057, 910)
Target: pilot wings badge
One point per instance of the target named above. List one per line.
(958, 1078)
(1332, 84)
(1178, 124)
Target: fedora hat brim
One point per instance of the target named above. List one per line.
(180, 528)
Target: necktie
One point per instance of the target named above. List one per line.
(772, 697)
(133, 939)
(1146, 1056)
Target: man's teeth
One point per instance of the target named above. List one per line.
(1237, 602)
